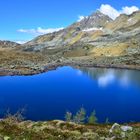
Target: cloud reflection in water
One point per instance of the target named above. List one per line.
(106, 79)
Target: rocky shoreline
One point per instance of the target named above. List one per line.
(55, 65)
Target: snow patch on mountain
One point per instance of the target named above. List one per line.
(92, 29)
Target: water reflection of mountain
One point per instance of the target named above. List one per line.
(108, 75)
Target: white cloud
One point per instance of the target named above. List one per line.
(129, 10)
(113, 13)
(109, 10)
(80, 18)
(39, 30)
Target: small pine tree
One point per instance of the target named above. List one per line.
(107, 121)
(68, 116)
(80, 116)
(92, 118)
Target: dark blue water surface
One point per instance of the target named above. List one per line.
(114, 94)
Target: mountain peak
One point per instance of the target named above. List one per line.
(97, 13)
(96, 19)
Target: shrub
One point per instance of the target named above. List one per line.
(68, 116)
(107, 121)
(92, 118)
(80, 116)
(14, 118)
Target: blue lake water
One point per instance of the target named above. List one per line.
(114, 94)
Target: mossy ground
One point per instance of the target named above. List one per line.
(60, 130)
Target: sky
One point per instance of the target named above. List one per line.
(22, 20)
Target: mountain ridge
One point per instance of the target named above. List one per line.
(8, 44)
(94, 26)
(96, 19)
(102, 42)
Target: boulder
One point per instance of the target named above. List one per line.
(126, 128)
(115, 128)
(119, 131)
